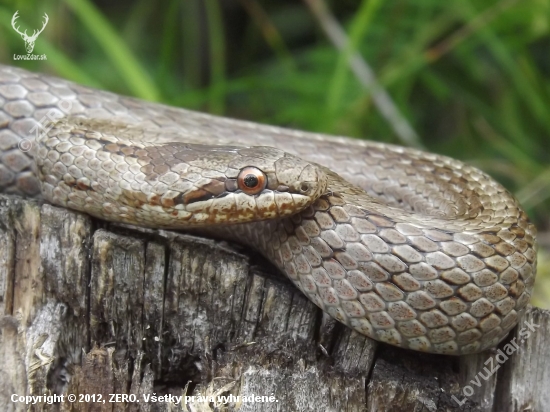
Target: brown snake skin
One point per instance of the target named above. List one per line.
(410, 248)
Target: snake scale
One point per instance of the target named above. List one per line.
(409, 248)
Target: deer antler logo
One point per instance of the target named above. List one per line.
(29, 40)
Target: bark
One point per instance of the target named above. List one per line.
(93, 309)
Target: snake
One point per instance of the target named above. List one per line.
(410, 248)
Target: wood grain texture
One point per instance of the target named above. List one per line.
(93, 308)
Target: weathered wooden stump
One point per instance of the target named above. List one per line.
(90, 308)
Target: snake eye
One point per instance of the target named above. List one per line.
(251, 180)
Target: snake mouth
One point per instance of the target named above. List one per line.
(278, 198)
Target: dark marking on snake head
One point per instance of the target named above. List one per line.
(216, 187)
(199, 195)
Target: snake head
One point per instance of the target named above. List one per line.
(136, 176)
(242, 184)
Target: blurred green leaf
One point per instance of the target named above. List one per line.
(122, 58)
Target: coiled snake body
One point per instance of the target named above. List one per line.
(410, 248)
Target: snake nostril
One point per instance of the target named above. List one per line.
(304, 187)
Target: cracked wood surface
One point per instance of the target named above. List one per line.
(88, 307)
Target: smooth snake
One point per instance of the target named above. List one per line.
(410, 248)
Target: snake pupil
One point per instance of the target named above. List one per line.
(250, 181)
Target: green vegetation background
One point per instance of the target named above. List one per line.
(471, 77)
